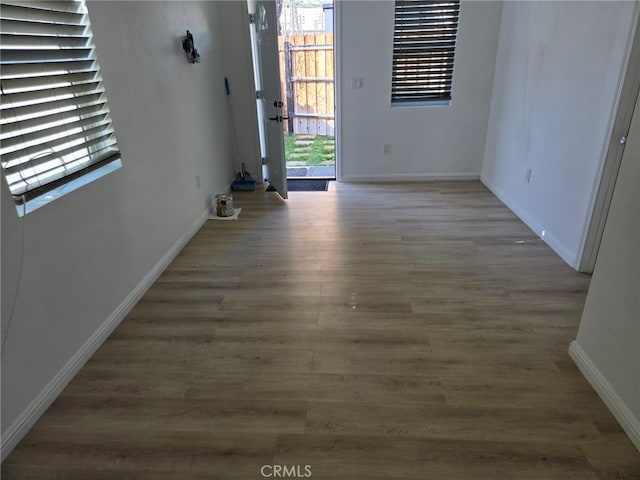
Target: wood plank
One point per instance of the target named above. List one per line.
(372, 331)
(381, 457)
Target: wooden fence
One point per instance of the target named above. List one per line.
(306, 77)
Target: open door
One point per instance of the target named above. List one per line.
(619, 131)
(264, 34)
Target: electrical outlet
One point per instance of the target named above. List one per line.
(198, 182)
(386, 148)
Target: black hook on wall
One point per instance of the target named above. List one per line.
(188, 46)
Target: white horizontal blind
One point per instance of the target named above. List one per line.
(424, 43)
(54, 120)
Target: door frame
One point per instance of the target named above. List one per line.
(337, 85)
(337, 5)
(619, 126)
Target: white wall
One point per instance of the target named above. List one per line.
(85, 253)
(607, 348)
(236, 54)
(557, 77)
(426, 142)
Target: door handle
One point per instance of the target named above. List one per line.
(278, 118)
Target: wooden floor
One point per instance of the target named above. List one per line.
(370, 332)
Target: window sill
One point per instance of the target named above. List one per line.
(69, 187)
(435, 103)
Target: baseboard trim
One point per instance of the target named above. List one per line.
(426, 177)
(36, 408)
(627, 420)
(550, 239)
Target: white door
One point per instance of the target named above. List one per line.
(265, 48)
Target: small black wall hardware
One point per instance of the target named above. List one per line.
(190, 49)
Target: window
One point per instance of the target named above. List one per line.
(424, 43)
(54, 120)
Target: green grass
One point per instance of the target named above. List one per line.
(314, 154)
(289, 143)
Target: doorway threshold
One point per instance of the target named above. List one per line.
(327, 172)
